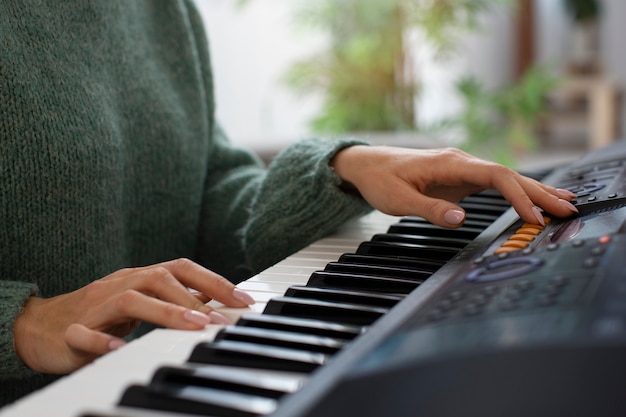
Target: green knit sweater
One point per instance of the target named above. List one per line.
(110, 157)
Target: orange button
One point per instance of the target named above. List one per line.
(523, 237)
(515, 244)
(533, 226)
(528, 231)
(504, 250)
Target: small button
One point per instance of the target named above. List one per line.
(504, 252)
(436, 314)
(552, 291)
(445, 304)
(523, 285)
(593, 187)
(604, 239)
(528, 231)
(578, 243)
(590, 262)
(559, 280)
(472, 310)
(489, 290)
(515, 244)
(533, 226)
(514, 295)
(614, 195)
(455, 295)
(528, 251)
(479, 260)
(545, 301)
(592, 198)
(552, 246)
(507, 305)
(598, 250)
(525, 238)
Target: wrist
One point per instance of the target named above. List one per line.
(342, 165)
(22, 331)
(345, 162)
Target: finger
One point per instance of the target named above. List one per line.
(208, 282)
(91, 342)
(201, 297)
(437, 211)
(526, 194)
(134, 305)
(550, 198)
(157, 281)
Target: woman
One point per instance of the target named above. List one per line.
(119, 191)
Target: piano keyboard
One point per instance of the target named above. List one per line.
(308, 307)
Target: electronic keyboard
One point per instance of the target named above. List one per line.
(395, 316)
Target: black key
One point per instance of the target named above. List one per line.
(496, 201)
(421, 240)
(465, 232)
(251, 355)
(363, 282)
(197, 400)
(104, 415)
(490, 192)
(394, 262)
(302, 325)
(280, 338)
(222, 379)
(475, 219)
(378, 271)
(408, 250)
(482, 209)
(344, 296)
(341, 312)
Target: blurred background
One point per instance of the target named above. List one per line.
(523, 82)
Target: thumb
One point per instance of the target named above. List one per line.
(84, 339)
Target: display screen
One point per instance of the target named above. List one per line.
(595, 224)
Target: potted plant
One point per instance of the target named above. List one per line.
(367, 74)
(501, 124)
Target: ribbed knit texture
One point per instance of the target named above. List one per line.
(110, 157)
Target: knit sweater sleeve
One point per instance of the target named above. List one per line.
(13, 295)
(275, 211)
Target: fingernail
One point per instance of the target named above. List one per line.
(197, 317)
(218, 318)
(116, 344)
(454, 217)
(243, 296)
(539, 216)
(566, 193)
(568, 205)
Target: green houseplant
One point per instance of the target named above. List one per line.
(501, 124)
(367, 73)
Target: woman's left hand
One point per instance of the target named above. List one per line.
(427, 183)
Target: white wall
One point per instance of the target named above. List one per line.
(253, 46)
(485, 54)
(553, 38)
(251, 49)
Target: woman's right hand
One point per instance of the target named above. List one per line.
(61, 334)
